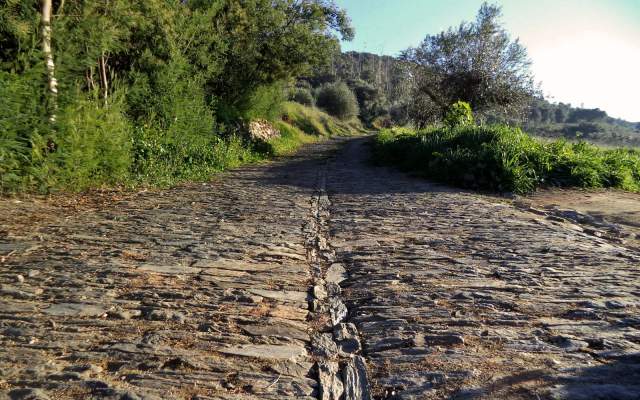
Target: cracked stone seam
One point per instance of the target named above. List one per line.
(342, 372)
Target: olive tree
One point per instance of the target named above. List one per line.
(477, 62)
(338, 100)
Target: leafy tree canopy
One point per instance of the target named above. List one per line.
(168, 79)
(477, 62)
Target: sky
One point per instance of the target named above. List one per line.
(584, 52)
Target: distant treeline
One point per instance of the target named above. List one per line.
(573, 123)
(384, 89)
(380, 84)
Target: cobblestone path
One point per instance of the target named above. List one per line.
(318, 276)
(462, 296)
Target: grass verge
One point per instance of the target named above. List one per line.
(300, 125)
(505, 159)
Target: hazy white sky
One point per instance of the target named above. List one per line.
(583, 51)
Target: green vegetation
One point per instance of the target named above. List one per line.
(387, 97)
(459, 114)
(303, 96)
(477, 62)
(380, 84)
(417, 87)
(505, 159)
(478, 66)
(148, 92)
(338, 100)
(575, 124)
(302, 125)
(158, 92)
(313, 121)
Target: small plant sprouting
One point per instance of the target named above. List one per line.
(459, 114)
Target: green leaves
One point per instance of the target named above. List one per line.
(477, 63)
(149, 90)
(459, 114)
(338, 100)
(273, 41)
(505, 159)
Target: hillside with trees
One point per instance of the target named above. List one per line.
(387, 94)
(593, 125)
(380, 84)
(417, 87)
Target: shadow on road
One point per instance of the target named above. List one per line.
(350, 170)
(616, 380)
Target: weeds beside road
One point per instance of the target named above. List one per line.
(506, 159)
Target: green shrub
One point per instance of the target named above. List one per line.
(303, 96)
(459, 114)
(506, 159)
(22, 120)
(313, 121)
(174, 137)
(92, 147)
(338, 100)
(88, 145)
(265, 102)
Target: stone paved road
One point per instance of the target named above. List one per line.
(457, 295)
(236, 289)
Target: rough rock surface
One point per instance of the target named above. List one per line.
(464, 296)
(234, 289)
(262, 130)
(199, 292)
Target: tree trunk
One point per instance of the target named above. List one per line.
(103, 77)
(48, 56)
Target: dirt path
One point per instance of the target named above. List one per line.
(613, 213)
(313, 278)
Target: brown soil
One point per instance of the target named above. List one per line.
(612, 205)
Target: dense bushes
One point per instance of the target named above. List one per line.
(338, 100)
(506, 159)
(149, 92)
(458, 114)
(22, 122)
(303, 96)
(93, 146)
(381, 85)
